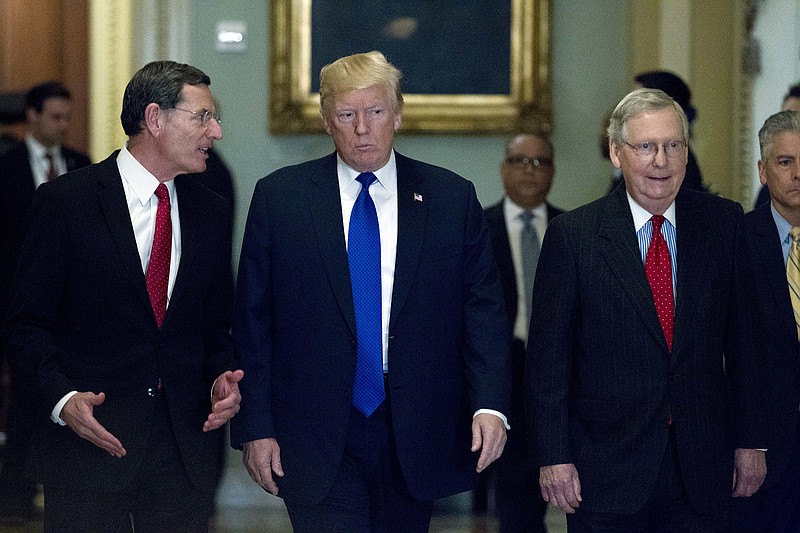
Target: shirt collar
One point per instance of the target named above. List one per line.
(386, 175)
(141, 182)
(513, 210)
(36, 148)
(641, 215)
(782, 224)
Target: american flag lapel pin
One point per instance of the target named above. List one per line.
(417, 197)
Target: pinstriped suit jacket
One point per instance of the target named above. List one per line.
(601, 381)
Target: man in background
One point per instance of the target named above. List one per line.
(790, 102)
(369, 323)
(120, 315)
(40, 158)
(517, 225)
(642, 403)
(773, 246)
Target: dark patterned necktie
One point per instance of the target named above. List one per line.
(364, 256)
(52, 172)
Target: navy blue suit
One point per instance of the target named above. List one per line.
(294, 327)
(602, 383)
(779, 355)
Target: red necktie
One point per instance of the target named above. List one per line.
(158, 269)
(658, 268)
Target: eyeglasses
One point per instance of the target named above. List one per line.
(205, 115)
(534, 162)
(649, 149)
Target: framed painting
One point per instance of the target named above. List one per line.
(469, 66)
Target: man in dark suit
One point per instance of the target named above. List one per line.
(368, 394)
(120, 313)
(774, 254)
(22, 169)
(641, 363)
(527, 172)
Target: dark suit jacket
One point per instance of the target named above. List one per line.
(602, 383)
(80, 319)
(495, 220)
(294, 328)
(779, 350)
(16, 198)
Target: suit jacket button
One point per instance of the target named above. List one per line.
(353, 343)
(151, 392)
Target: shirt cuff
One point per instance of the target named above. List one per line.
(55, 416)
(495, 413)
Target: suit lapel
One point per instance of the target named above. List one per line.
(191, 212)
(496, 222)
(111, 196)
(625, 261)
(325, 207)
(411, 220)
(770, 255)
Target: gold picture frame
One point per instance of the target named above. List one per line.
(294, 108)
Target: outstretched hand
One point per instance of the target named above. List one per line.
(225, 399)
(78, 414)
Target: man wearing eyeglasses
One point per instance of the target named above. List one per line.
(120, 313)
(517, 225)
(642, 402)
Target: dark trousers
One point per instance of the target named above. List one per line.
(668, 509)
(773, 510)
(161, 499)
(369, 494)
(17, 490)
(518, 500)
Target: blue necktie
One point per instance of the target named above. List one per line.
(364, 256)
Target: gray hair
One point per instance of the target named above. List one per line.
(638, 102)
(777, 123)
(159, 82)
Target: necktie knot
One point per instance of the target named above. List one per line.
(162, 193)
(366, 179)
(658, 220)
(526, 217)
(795, 234)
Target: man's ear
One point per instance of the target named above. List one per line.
(153, 118)
(613, 154)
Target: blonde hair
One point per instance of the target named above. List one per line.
(359, 71)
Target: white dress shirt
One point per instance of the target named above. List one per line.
(40, 166)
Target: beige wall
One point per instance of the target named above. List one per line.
(707, 62)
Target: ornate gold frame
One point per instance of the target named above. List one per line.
(295, 109)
